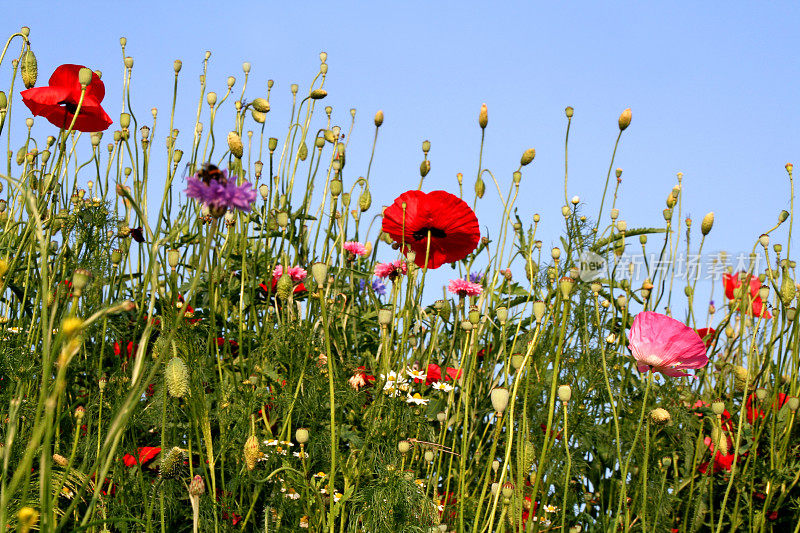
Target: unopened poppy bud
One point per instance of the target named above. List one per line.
(176, 377)
(235, 144)
(403, 446)
(667, 214)
(565, 211)
(761, 393)
(284, 286)
(793, 402)
(625, 119)
(3, 101)
(301, 435)
(483, 116)
(788, 288)
(318, 94)
(539, 308)
(707, 223)
(336, 187)
(429, 456)
(527, 156)
(261, 105)
(378, 119)
(425, 167)
(789, 167)
(717, 407)
(495, 487)
(569, 111)
(783, 216)
(84, 76)
(499, 397)
(29, 68)
(659, 415)
(564, 393)
(480, 187)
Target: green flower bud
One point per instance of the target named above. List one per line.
(708, 222)
(527, 156)
(480, 187)
(569, 112)
(29, 69)
(564, 393)
(625, 119)
(284, 286)
(235, 144)
(318, 94)
(424, 168)
(378, 119)
(499, 397)
(176, 376)
(365, 200)
(483, 117)
(783, 216)
(3, 101)
(258, 116)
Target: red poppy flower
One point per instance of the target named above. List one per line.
(437, 224)
(734, 281)
(146, 454)
(435, 374)
(59, 100)
(721, 462)
(753, 412)
(707, 334)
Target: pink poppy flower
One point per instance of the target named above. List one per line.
(391, 270)
(464, 287)
(662, 344)
(355, 248)
(297, 273)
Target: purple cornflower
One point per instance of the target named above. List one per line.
(378, 287)
(219, 192)
(475, 277)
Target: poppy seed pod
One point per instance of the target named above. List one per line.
(29, 68)
(128, 62)
(124, 120)
(527, 156)
(429, 456)
(84, 76)
(426, 146)
(517, 360)
(173, 257)
(539, 308)
(659, 415)
(384, 316)
(499, 397)
(793, 402)
(508, 489)
(294, 88)
(667, 214)
(502, 314)
(318, 94)
(564, 393)
(717, 407)
(625, 119)
(319, 271)
(176, 376)
(252, 452)
(566, 284)
(707, 223)
(569, 112)
(301, 435)
(336, 187)
(177, 65)
(441, 417)
(483, 117)
(403, 446)
(80, 279)
(622, 226)
(283, 288)
(211, 98)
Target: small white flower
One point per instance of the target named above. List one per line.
(550, 509)
(442, 386)
(292, 494)
(417, 374)
(336, 497)
(300, 455)
(271, 442)
(417, 399)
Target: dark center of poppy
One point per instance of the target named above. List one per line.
(423, 232)
(72, 108)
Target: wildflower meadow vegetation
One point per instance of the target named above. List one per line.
(256, 346)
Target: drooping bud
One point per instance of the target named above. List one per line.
(788, 288)
(480, 187)
(425, 167)
(29, 69)
(176, 376)
(783, 216)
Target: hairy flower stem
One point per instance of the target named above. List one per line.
(605, 188)
(624, 475)
(566, 475)
(334, 443)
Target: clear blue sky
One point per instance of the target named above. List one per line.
(712, 85)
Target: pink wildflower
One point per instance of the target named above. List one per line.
(662, 344)
(355, 248)
(297, 273)
(463, 287)
(391, 270)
